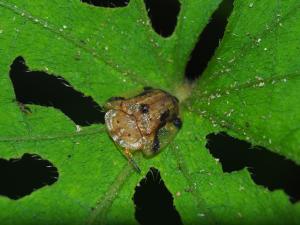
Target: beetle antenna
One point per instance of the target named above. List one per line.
(129, 156)
(135, 165)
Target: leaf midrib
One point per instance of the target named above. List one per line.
(250, 84)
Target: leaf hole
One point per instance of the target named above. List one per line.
(266, 168)
(208, 41)
(20, 177)
(40, 88)
(163, 15)
(153, 201)
(107, 3)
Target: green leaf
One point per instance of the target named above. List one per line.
(251, 86)
(249, 90)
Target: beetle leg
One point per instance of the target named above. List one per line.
(129, 156)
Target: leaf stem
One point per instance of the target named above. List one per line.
(98, 215)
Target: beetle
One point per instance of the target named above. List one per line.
(146, 122)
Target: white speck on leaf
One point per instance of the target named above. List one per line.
(258, 40)
(78, 128)
(258, 78)
(231, 60)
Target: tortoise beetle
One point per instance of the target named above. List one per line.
(146, 122)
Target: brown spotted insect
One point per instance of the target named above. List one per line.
(146, 122)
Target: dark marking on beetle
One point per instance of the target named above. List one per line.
(147, 88)
(176, 99)
(164, 116)
(115, 99)
(177, 122)
(156, 145)
(144, 108)
(142, 93)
